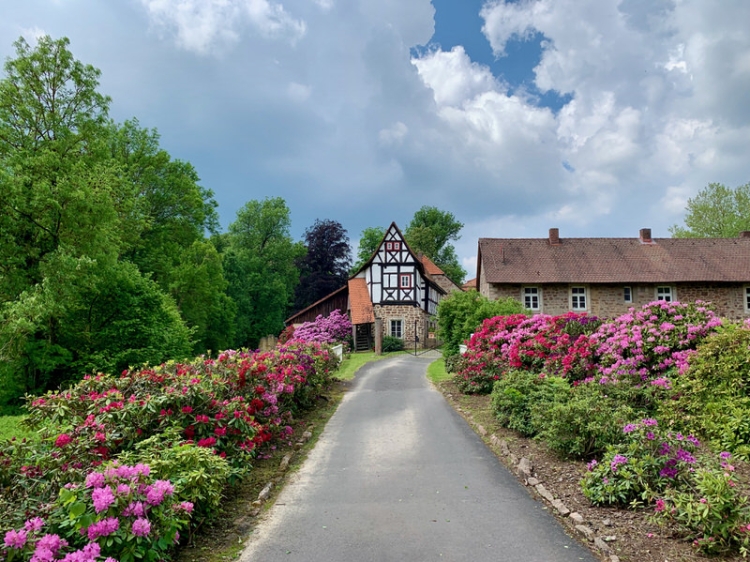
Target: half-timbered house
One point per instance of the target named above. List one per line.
(396, 285)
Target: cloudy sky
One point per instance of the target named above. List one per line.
(598, 117)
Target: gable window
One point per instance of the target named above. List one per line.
(392, 246)
(397, 328)
(531, 298)
(664, 294)
(578, 298)
(627, 294)
(404, 280)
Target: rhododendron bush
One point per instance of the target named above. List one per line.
(648, 346)
(557, 345)
(334, 328)
(232, 406)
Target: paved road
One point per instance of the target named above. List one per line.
(397, 475)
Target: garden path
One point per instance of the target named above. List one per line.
(397, 475)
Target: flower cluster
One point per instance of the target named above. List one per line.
(30, 544)
(333, 328)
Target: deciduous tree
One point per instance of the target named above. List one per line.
(430, 232)
(716, 212)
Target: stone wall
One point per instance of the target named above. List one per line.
(608, 301)
(408, 314)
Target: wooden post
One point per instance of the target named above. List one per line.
(378, 336)
(354, 338)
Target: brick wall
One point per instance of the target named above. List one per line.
(408, 315)
(607, 301)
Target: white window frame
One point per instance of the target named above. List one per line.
(627, 297)
(538, 297)
(746, 298)
(672, 296)
(390, 327)
(575, 297)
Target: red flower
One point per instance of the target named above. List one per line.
(207, 442)
(62, 440)
(187, 410)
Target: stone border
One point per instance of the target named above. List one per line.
(525, 470)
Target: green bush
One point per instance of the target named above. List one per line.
(453, 363)
(712, 398)
(392, 343)
(461, 313)
(197, 473)
(587, 422)
(521, 399)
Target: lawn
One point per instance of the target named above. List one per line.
(436, 371)
(10, 426)
(352, 363)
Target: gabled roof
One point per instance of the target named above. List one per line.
(614, 260)
(429, 265)
(360, 305)
(470, 284)
(329, 296)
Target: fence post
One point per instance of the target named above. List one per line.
(378, 336)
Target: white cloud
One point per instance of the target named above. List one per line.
(298, 92)
(201, 25)
(32, 34)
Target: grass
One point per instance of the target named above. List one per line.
(354, 361)
(436, 371)
(10, 426)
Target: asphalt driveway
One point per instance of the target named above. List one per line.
(398, 475)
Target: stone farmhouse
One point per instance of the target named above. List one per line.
(607, 276)
(396, 286)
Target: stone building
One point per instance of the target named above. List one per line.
(607, 276)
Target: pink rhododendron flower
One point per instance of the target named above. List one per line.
(15, 539)
(141, 527)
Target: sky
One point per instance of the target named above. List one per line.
(597, 117)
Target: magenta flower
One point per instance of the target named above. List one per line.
(141, 527)
(137, 509)
(62, 440)
(659, 505)
(102, 498)
(95, 480)
(15, 539)
(34, 524)
(617, 460)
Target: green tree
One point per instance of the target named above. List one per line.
(259, 265)
(430, 232)
(462, 313)
(716, 212)
(369, 240)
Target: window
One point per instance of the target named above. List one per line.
(404, 280)
(531, 298)
(664, 294)
(747, 299)
(578, 298)
(627, 294)
(392, 246)
(397, 328)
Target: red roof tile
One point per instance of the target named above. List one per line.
(615, 260)
(470, 284)
(429, 265)
(360, 305)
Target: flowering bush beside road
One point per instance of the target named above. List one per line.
(655, 399)
(127, 462)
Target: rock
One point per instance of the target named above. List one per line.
(298, 445)
(614, 558)
(255, 512)
(285, 462)
(481, 430)
(560, 507)
(609, 538)
(607, 522)
(532, 481)
(306, 435)
(601, 545)
(544, 492)
(586, 532)
(504, 447)
(576, 517)
(257, 503)
(265, 492)
(494, 440)
(524, 465)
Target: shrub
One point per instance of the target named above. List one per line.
(333, 328)
(461, 313)
(648, 462)
(521, 399)
(712, 397)
(711, 510)
(653, 344)
(392, 343)
(586, 423)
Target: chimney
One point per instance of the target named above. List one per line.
(554, 236)
(645, 234)
(745, 234)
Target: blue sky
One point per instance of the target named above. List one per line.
(598, 117)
